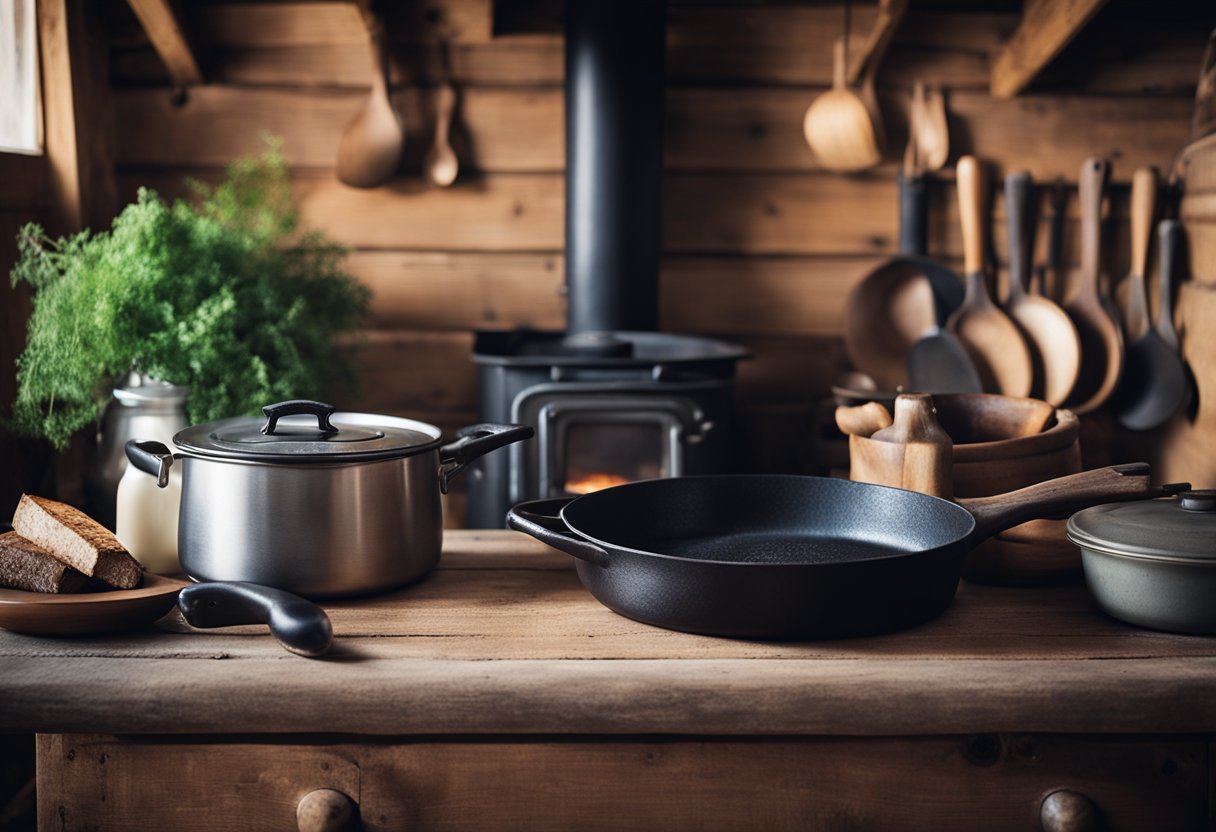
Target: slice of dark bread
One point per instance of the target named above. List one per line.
(76, 539)
(26, 565)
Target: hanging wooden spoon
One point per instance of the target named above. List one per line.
(1055, 348)
(1143, 211)
(370, 150)
(934, 139)
(997, 349)
(838, 126)
(441, 164)
(1101, 337)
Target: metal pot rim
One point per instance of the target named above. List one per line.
(338, 438)
(1181, 529)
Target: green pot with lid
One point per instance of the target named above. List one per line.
(1153, 563)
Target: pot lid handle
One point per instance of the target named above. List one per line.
(1198, 500)
(321, 410)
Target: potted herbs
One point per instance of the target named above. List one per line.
(226, 297)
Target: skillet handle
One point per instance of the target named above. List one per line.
(475, 441)
(1063, 496)
(542, 519)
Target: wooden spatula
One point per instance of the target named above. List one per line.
(992, 340)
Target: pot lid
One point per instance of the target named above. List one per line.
(1180, 528)
(307, 431)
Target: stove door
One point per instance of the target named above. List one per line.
(588, 441)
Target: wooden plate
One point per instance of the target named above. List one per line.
(88, 613)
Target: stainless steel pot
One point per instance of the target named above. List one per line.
(315, 502)
(1153, 563)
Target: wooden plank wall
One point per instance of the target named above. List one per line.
(761, 245)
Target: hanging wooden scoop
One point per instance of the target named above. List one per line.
(994, 343)
(838, 126)
(370, 150)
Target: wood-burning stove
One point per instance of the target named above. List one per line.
(662, 408)
(611, 400)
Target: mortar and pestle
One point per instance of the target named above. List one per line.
(974, 445)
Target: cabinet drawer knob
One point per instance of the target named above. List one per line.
(1067, 811)
(326, 810)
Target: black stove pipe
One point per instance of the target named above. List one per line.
(614, 163)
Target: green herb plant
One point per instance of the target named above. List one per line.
(226, 296)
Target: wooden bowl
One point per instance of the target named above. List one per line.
(1001, 444)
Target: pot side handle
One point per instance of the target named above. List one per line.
(151, 458)
(475, 441)
(300, 626)
(542, 519)
(1063, 496)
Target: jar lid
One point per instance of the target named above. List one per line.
(136, 388)
(1180, 528)
(302, 431)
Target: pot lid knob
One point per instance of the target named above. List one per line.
(1199, 500)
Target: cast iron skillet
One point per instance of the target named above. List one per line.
(791, 557)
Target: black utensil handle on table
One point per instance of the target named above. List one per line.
(542, 519)
(1063, 496)
(300, 626)
(475, 441)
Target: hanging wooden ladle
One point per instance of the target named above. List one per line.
(370, 150)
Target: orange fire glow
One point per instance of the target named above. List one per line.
(593, 482)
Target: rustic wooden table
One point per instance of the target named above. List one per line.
(499, 694)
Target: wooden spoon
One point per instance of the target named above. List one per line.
(1101, 338)
(441, 164)
(1055, 348)
(370, 150)
(1143, 210)
(838, 126)
(933, 141)
(997, 349)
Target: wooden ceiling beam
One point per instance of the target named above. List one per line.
(163, 25)
(1047, 27)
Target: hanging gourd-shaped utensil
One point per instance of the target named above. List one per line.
(370, 150)
(838, 125)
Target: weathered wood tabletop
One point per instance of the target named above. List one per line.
(503, 639)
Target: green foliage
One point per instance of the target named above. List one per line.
(226, 297)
